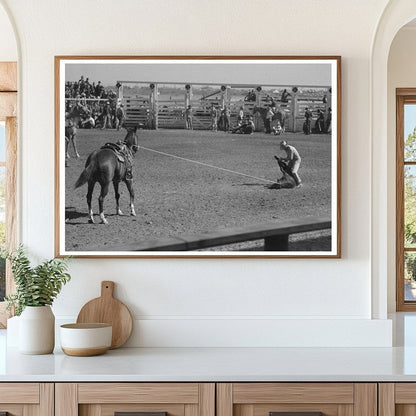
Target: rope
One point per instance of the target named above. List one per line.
(206, 164)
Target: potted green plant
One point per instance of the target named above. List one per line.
(36, 289)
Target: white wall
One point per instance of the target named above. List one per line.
(401, 74)
(8, 46)
(204, 302)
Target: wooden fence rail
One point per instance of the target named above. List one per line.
(275, 236)
(154, 110)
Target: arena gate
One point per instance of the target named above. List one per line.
(162, 105)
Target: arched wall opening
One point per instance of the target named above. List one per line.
(401, 74)
(385, 77)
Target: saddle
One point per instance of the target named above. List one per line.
(118, 149)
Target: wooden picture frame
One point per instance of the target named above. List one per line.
(200, 191)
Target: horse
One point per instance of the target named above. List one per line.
(104, 166)
(279, 115)
(72, 122)
(70, 137)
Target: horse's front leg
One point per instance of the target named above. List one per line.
(103, 194)
(66, 147)
(117, 195)
(74, 144)
(129, 184)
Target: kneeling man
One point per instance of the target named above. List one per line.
(292, 161)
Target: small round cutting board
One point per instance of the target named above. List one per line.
(107, 309)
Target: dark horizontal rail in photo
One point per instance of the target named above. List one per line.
(275, 235)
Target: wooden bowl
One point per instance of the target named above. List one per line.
(85, 340)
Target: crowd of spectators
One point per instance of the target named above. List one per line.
(83, 88)
(92, 105)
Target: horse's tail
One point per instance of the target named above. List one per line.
(86, 173)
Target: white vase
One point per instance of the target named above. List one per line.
(37, 330)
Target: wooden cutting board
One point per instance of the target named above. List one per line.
(107, 309)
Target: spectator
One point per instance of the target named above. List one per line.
(251, 96)
(89, 122)
(106, 115)
(240, 116)
(285, 96)
(87, 88)
(83, 99)
(188, 118)
(277, 130)
(214, 118)
(328, 121)
(226, 116)
(269, 119)
(99, 89)
(307, 123)
(246, 127)
(320, 122)
(120, 117)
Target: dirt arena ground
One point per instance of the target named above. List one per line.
(175, 196)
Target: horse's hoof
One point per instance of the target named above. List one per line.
(119, 212)
(104, 221)
(133, 213)
(78, 156)
(91, 221)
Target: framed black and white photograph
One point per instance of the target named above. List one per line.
(198, 156)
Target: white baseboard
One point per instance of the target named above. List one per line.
(256, 332)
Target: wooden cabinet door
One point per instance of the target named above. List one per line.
(297, 399)
(26, 399)
(397, 399)
(142, 399)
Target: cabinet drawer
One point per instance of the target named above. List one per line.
(297, 399)
(19, 393)
(145, 399)
(138, 393)
(21, 399)
(397, 399)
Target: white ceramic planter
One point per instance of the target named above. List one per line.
(37, 330)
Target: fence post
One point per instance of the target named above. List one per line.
(153, 107)
(293, 107)
(257, 116)
(277, 243)
(119, 91)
